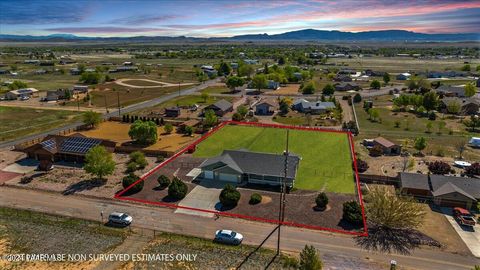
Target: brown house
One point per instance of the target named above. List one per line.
(172, 112)
(388, 147)
(220, 107)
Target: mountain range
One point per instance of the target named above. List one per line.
(300, 35)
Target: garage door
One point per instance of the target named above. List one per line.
(228, 177)
(208, 174)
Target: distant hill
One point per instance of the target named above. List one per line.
(300, 35)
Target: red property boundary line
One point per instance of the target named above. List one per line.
(294, 224)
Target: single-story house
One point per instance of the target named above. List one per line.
(347, 71)
(388, 147)
(124, 69)
(80, 89)
(75, 71)
(403, 76)
(172, 112)
(66, 148)
(468, 106)
(15, 94)
(245, 167)
(314, 107)
(342, 78)
(4, 71)
(209, 70)
(346, 86)
(264, 108)
(451, 191)
(251, 61)
(374, 73)
(450, 91)
(474, 142)
(220, 107)
(478, 82)
(189, 123)
(273, 85)
(40, 72)
(54, 95)
(31, 61)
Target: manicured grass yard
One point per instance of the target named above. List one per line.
(325, 164)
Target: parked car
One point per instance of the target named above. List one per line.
(120, 218)
(228, 237)
(463, 217)
(24, 98)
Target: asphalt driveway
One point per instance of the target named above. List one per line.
(471, 237)
(203, 196)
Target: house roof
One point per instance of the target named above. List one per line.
(384, 142)
(448, 188)
(24, 91)
(248, 162)
(268, 103)
(222, 105)
(314, 105)
(466, 184)
(451, 89)
(414, 180)
(74, 144)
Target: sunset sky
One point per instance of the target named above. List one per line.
(229, 18)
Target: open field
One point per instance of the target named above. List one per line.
(19, 122)
(289, 89)
(317, 169)
(217, 89)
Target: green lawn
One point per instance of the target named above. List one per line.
(19, 122)
(325, 164)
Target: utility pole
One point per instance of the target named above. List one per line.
(118, 103)
(105, 101)
(78, 104)
(283, 187)
(179, 88)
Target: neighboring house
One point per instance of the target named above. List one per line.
(234, 65)
(450, 91)
(25, 92)
(443, 190)
(54, 95)
(474, 142)
(124, 69)
(75, 71)
(373, 73)
(245, 167)
(80, 89)
(209, 70)
(31, 61)
(251, 61)
(273, 85)
(298, 75)
(346, 86)
(66, 61)
(220, 107)
(388, 147)
(478, 82)
(342, 78)
(40, 72)
(172, 112)
(347, 71)
(264, 108)
(65, 148)
(468, 106)
(403, 76)
(314, 107)
(3, 71)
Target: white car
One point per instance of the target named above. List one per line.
(120, 218)
(24, 98)
(228, 237)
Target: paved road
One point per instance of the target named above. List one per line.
(128, 109)
(163, 219)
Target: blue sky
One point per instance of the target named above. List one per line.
(229, 18)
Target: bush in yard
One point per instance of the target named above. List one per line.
(362, 166)
(352, 212)
(189, 130)
(163, 181)
(255, 198)
(229, 196)
(130, 179)
(139, 158)
(168, 128)
(473, 169)
(310, 259)
(321, 200)
(439, 167)
(177, 189)
(131, 167)
(357, 98)
(237, 117)
(143, 132)
(160, 159)
(376, 151)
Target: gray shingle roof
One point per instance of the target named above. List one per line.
(248, 162)
(414, 180)
(222, 105)
(448, 188)
(469, 185)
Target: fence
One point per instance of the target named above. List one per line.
(148, 152)
(379, 179)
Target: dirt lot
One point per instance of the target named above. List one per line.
(118, 132)
(70, 179)
(289, 89)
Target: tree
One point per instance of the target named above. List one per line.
(357, 98)
(328, 90)
(99, 162)
(233, 82)
(177, 189)
(460, 146)
(352, 212)
(310, 259)
(224, 69)
(205, 96)
(411, 83)
(188, 130)
(384, 208)
(453, 106)
(168, 128)
(470, 90)
(92, 119)
(259, 82)
(281, 60)
(308, 88)
(473, 169)
(229, 196)
(466, 67)
(322, 200)
(17, 85)
(242, 110)
(386, 78)
(473, 123)
(375, 84)
(143, 132)
(284, 106)
(163, 181)
(237, 117)
(439, 167)
(420, 144)
(373, 114)
(362, 165)
(139, 159)
(129, 179)
(90, 77)
(430, 101)
(245, 70)
(210, 118)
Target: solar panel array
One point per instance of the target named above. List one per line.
(78, 145)
(49, 144)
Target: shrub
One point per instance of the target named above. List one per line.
(229, 196)
(362, 165)
(352, 212)
(357, 98)
(473, 169)
(439, 167)
(432, 116)
(255, 198)
(163, 181)
(160, 159)
(130, 179)
(321, 200)
(131, 167)
(376, 151)
(237, 117)
(168, 128)
(139, 158)
(189, 130)
(310, 259)
(177, 189)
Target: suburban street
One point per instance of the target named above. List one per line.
(163, 219)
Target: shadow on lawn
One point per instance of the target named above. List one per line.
(84, 185)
